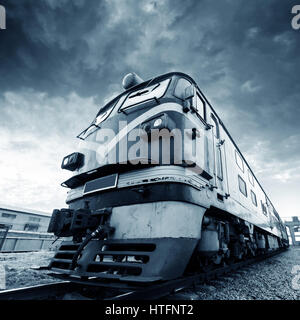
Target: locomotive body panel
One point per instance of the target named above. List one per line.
(236, 203)
(163, 219)
(187, 179)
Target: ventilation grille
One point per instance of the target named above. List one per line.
(111, 260)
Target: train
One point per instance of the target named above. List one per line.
(159, 190)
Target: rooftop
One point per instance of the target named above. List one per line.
(24, 210)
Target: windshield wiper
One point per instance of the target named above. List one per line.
(148, 84)
(85, 130)
(139, 93)
(143, 91)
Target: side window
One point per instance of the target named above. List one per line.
(9, 215)
(250, 177)
(200, 107)
(239, 161)
(263, 208)
(253, 198)
(31, 227)
(216, 129)
(242, 186)
(181, 85)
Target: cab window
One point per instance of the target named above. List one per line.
(200, 107)
(216, 129)
(181, 85)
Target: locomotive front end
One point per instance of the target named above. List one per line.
(138, 192)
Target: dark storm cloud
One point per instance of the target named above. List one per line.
(44, 42)
(60, 58)
(60, 46)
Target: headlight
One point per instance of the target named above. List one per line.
(157, 123)
(160, 122)
(72, 161)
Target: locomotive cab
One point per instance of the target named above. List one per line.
(111, 143)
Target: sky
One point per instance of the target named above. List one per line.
(61, 59)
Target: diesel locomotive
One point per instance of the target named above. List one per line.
(159, 189)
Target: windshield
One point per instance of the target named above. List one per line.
(128, 100)
(102, 115)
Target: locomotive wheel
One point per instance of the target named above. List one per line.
(205, 266)
(228, 259)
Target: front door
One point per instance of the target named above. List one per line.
(219, 157)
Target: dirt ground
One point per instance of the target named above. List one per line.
(17, 268)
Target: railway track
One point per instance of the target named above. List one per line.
(51, 291)
(89, 290)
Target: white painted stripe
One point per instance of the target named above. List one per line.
(93, 145)
(163, 174)
(170, 106)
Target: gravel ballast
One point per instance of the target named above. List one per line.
(17, 268)
(271, 279)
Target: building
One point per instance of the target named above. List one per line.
(293, 229)
(23, 229)
(24, 219)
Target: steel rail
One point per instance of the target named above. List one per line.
(57, 290)
(49, 291)
(169, 287)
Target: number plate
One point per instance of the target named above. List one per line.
(102, 183)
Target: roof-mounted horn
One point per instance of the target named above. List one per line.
(130, 80)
